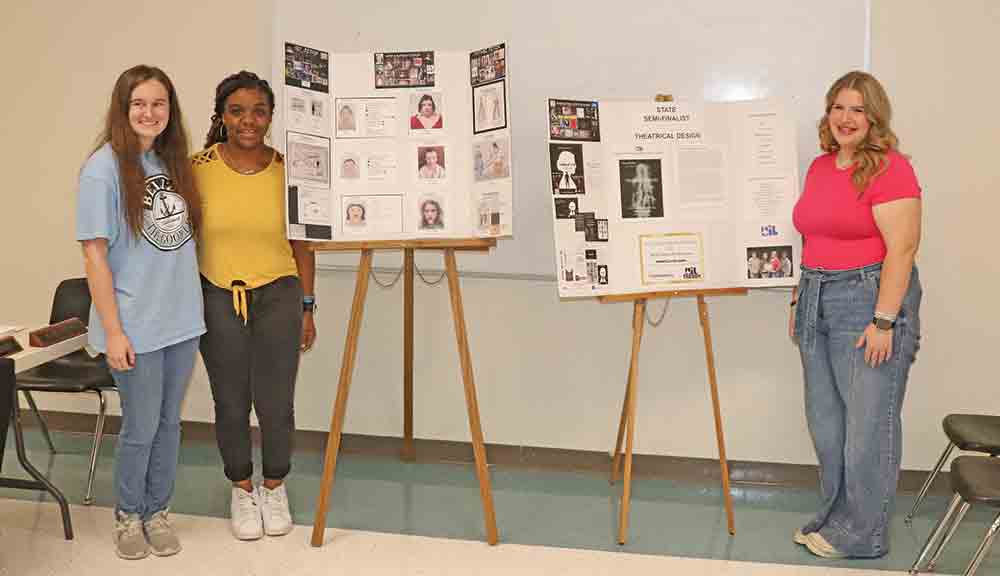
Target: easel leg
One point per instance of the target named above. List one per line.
(340, 405)
(479, 449)
(409, 452)
(710, 361)
(638, 321)
(616, 460)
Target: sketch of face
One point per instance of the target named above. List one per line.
(426, 106)
(431, 158)
(431, 213)
(350, 168)
(355, 214)
(346, 118)
(566, 162)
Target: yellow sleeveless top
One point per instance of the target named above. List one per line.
(242, 236)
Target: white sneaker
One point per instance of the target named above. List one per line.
(244, 514)
(274, 511)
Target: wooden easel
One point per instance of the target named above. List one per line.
(350, 353)
(627, 422)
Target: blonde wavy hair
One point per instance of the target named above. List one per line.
(870, 156)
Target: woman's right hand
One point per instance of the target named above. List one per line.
(791, 324)
(119, 353)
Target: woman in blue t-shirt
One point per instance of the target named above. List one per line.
(137, 211)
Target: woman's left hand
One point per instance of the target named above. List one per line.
(308, 331)
(877, 344)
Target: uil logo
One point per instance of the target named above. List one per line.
(165, 221)
(768, 230)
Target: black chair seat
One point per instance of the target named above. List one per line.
(977, 479)
(974, 432)
(77, 372)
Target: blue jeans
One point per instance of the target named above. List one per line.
(151, 396)
(853, 410)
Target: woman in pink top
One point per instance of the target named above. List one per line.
(855, 315)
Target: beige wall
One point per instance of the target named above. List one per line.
(549, 373)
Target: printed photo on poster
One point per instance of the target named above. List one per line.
(769, 262)
(347, 119)
(430, 163)
(574, 120)
(431, 213)
(641, 188)
(595, 229)
(307, 68)
(489, 107)
(350, 166)
(404, 69)
(566, 162)
(308, 159)
(494, 210)
(488, 64)
(427, 112)
(566, 208)
(490, 160)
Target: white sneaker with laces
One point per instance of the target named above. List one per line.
(274, 511)
(244, 514)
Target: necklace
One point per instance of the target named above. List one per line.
(229, 162)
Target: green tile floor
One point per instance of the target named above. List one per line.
(534, 507)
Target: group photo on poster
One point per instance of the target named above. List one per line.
(769, 262)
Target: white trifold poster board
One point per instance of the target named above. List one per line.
(397, 145)
(656, 196)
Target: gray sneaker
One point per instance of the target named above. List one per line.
(130, 543)
(161, 537)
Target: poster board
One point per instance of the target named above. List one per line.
(650, 196)
(384, 146)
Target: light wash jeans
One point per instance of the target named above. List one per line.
(151, 396)
(853, 410)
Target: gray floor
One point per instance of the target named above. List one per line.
(561, 509)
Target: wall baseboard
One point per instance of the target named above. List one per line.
(674, 468)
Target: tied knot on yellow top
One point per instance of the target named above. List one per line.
(239, 289)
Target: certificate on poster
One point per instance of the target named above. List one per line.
(574, 120)
(404, 69)
(366, 117)
(489, 107)
(308, 160)
(307, 68)
(307, 111)
(488, 64)
(671, 258)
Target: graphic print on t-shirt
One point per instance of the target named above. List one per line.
(165, 220)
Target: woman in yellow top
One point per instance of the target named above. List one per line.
(258, 289)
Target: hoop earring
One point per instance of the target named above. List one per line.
(223, 133)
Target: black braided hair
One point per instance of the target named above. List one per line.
(232, 83)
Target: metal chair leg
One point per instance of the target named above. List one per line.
(932, 563)
(98, 435)
(984, 547)
(930, 480)
(41, 421)
(936, 534)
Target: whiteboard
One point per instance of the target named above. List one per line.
(716, 50)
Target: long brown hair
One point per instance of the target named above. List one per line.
(870, 156)
(171, 146)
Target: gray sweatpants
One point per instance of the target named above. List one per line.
(254, 365)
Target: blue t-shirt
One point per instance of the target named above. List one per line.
(155, 275)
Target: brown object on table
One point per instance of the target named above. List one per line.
(55, 333)
(8, 346)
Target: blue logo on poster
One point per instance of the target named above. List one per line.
(769, 230)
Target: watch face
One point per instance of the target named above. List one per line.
(883, 324)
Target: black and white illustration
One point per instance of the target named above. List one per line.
(574, 120)
(165, 222)
(489, 107)
(595, 229)
(308, 159)
(641, 188)
(488, 64)
(566, 162)
(769, 262)
(404, 69)
(566, 208)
